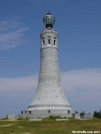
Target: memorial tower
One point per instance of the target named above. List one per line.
(49, 98)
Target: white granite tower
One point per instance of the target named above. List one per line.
(49, 98)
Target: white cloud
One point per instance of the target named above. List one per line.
(11, 34)
(18, 84)
(87, 79)
(82, 89)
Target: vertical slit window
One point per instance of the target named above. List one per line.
(54, 42)
(49, 41)
(43, 42)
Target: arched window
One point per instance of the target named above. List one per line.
(49, 41)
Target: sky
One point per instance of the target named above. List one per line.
(78, 23)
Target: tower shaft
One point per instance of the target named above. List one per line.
(49, 90)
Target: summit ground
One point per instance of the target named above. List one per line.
(48, 126)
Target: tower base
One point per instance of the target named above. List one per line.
(46, 111)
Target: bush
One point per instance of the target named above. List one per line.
(97, 114)
(26, 118)
(82, 113)
(20, 118)
(23, 118)
(55, 117)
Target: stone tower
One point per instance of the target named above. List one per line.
(49, 98)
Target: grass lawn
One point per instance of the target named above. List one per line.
(48, 126)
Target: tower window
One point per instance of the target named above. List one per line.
(54, 42)
(48, 111)
(43, 42)
(49, 41)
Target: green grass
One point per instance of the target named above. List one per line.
(48, 126)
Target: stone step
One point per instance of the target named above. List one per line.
(35, 119)
(61, 119)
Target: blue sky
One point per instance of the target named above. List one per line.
(79, 25)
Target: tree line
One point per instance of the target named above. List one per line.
(96, 114)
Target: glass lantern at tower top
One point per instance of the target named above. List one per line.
(49, 20)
